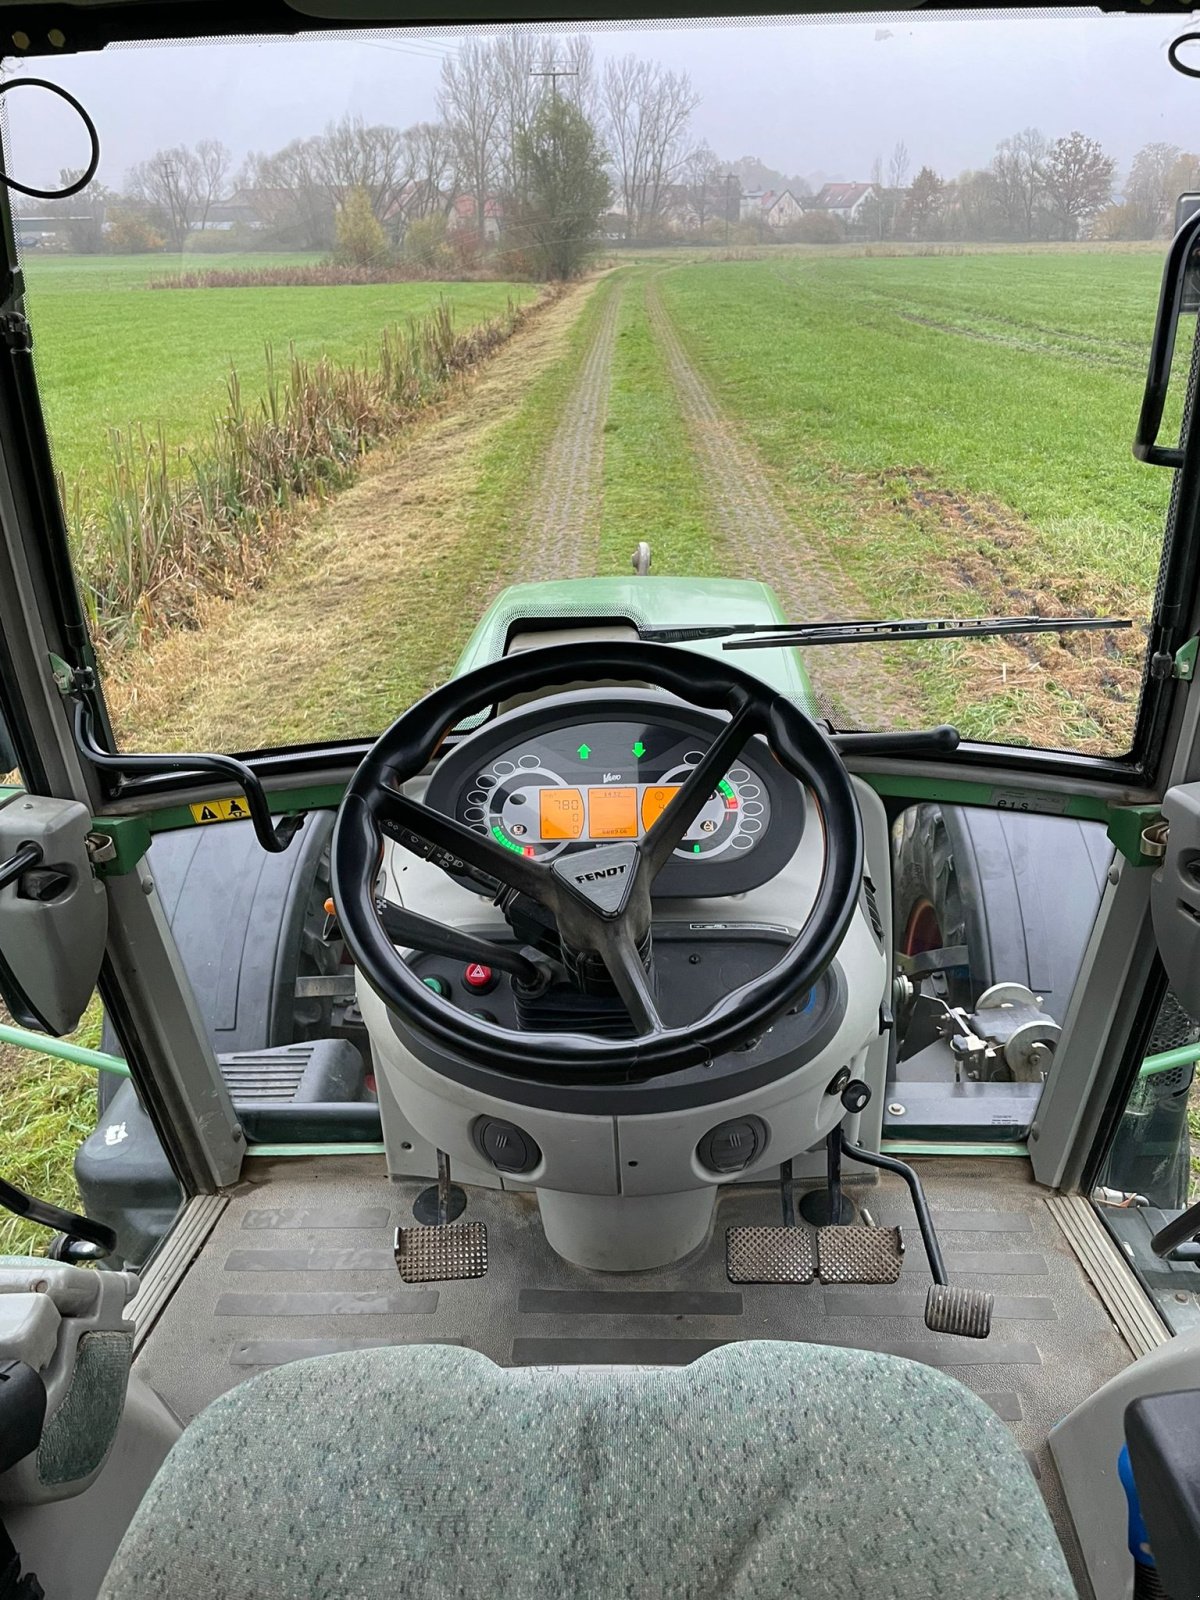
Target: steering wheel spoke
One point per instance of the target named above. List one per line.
(664, 838)
(620, 955)
(458, 849)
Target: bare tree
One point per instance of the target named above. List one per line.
(290, 196)
(180, 186)
(898, 165)
(1147, 192)
(352, 154)
(471, 107)
(430, 159)
(647, 110)
(1078, 178)
(515, 62)
(705, 180)
(1019, 169)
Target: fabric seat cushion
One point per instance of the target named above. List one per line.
(764, 1470)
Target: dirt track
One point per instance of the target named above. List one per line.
(565, 507)
(774, 546)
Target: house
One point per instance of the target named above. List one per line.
(777, 208)
(844, 200)
(461, 218)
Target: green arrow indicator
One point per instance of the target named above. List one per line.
(639, 749)
(584, 752)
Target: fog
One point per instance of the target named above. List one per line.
(814, 97)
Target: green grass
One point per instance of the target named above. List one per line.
(651, 487)
(111, 353)
(47, 1110)
(1013, 378)
(415, 624)
(959, 427)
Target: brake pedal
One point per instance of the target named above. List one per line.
(859, 1255)
(769, 1255)
(965, 1312)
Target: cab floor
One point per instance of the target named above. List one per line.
(300, 1264)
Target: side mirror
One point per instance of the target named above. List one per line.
(53, 912)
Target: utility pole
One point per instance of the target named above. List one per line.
(554, 73)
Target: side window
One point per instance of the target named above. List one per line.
(992, 912)
(1153, 1167)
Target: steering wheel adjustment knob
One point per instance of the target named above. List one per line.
(856, 1096)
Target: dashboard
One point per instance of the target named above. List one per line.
(596, 766)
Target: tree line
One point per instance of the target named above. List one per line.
(534, 141)
(524, 124)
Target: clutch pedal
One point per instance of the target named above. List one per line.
(438, 1255)
(445, 1250)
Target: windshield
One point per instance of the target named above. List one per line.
(351, 334)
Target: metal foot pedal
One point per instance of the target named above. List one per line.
(859, 1255)
(966, 1312)
(437, 1255)
(768, 1255)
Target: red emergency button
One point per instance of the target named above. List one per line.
(479, 978)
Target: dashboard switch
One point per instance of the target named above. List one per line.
(438, 985)
(478, 978)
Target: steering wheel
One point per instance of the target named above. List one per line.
(599, 897)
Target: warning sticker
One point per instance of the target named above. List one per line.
(235, 810)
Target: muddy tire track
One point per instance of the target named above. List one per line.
(563, 519)
(768, 542)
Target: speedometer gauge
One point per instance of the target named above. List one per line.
(596, 767)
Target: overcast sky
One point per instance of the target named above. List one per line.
(813, 97)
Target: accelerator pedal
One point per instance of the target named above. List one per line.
(965, 1312)
(769, 1255)
(859, 1255)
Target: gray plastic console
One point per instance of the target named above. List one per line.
(54, 918)
(1175, 896)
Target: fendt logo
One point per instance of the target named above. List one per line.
(602, 872)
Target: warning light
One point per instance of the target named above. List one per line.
(639, 749)
(584, 752)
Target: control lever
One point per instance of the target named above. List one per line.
(80, 1239)
(1182, 1231)
(966, 1312)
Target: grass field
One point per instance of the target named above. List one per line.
(990, 400)
(111, 353)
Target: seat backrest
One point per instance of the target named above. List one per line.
(763, 1471)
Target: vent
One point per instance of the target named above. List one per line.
(873, 910)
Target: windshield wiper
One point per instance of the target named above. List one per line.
(778, 635)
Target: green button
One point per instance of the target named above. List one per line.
(438, 985)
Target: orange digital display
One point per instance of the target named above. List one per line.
(561, 813)
(612, 814)
(655, 801)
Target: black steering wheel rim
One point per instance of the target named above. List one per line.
(404, 750)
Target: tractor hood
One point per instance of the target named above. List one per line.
(618, 607)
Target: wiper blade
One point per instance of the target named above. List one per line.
(779, 635)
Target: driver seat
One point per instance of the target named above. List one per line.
(764, 1471)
